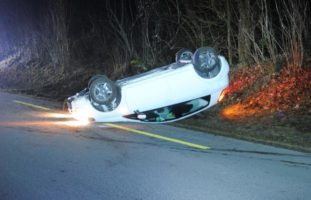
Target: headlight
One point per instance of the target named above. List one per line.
(81, 116)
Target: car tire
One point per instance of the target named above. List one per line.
(184, 56)
(206, 62)
(102, 90)
(94, 78)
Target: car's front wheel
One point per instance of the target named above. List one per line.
(206, 62)
(103, 90)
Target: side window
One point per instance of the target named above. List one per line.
(172, 112)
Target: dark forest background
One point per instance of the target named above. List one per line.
(53, 39)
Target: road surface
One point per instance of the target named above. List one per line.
(43, 156)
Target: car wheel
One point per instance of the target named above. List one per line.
(94, 78)
(184, 56)
(102, 90)
(206, 62)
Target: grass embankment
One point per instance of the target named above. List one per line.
(263, 106)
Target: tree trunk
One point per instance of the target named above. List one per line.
(244, 42)
(229, 42)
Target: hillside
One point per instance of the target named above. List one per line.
(263, 106)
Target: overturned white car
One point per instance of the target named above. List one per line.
(190, 85)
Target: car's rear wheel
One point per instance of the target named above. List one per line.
(184, 56)
(102, 90)
(206, 62)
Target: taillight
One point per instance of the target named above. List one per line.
(222, 95)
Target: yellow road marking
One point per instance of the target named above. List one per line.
(128, 129)
(31, 105)
(158, 136)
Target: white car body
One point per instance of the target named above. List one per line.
(156, 89)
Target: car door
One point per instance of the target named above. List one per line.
(147, 94)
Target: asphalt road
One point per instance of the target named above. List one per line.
(43, 158)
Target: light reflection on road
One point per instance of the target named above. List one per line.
(46, 119)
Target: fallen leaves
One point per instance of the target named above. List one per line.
(288, 91)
